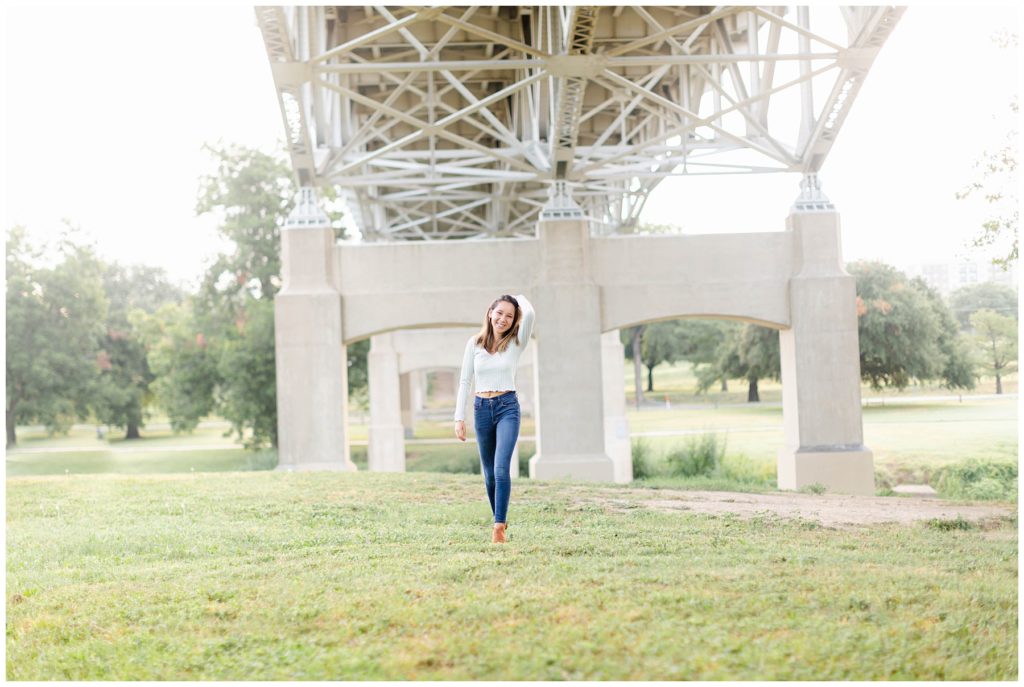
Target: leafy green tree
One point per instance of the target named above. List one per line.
(231, 317)
(660, 344)
(996, 336)
(123, 389)
(905, 330)
(632, 339)
(968, 300)
(245, 367)
(751, 353)
(181, 361)
(251, 194)
(958, 364)
(357, 369)
(700, 341)
(55, 319)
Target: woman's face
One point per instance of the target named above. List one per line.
(502, 316)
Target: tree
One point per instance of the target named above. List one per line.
(998, 184)
(968, 300)
(252, 193)
(123, 388)
(632, 338)
(55, 321)
(660, 344)
(997, 338)
(231, 318)
(700, 341)
(247, 374)
(958, 364)
(750, 353)
(357, 369)
(906, 332)
(184, 367)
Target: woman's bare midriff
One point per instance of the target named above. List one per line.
(491, 394)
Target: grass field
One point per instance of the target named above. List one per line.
(271, 576)
(910, 442)
(678, 382)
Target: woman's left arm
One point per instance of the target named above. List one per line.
(526, 325)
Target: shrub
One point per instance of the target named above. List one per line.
(643, 460)
(978, 480)
(699, 456)
(739, 468)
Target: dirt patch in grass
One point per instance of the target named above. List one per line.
(830, 510)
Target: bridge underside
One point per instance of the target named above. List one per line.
(453, 122)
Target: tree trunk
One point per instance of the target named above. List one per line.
(650, 379)
(725, 384)
(12, 438)
(133, 431)
(752, 395)
(638, 366)
(999, 384)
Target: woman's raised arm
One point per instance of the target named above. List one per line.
(526, 325)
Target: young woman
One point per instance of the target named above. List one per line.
(491, 357)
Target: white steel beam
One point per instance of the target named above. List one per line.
(449, 122)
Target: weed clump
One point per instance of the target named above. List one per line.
(643, 460)
(701, 463)
(978, 480)
(699, 457)
(946, 525)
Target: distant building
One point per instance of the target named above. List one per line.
(946, 277)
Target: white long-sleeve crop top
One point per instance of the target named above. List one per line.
(493, 372)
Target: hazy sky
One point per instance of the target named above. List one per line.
(106, 108)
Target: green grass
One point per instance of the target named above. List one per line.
(912, 443)
(149, 462)
(679, 383)
(273, 576)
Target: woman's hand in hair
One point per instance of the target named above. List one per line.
(460, 430)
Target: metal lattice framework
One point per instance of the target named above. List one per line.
(454, 122)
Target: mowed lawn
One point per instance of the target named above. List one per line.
(272, 576)
(909, 440)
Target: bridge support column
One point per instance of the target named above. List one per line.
(407, 391)
(310, 358)
(570, 404)
(824, 440)
(616, 428)
(386, 445)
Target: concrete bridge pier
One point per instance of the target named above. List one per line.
(410, 386)
(311, 360)
(386, 445)
(569, 372)
(820, 356)
(616, 427)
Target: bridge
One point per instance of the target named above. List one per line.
(544, 130)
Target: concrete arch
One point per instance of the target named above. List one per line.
(393, 362)
(739, 276)
(703, 316)
(387, 286)
(363, 333)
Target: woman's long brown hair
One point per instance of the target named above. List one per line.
(488, 339)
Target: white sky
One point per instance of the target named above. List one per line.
(106, 107)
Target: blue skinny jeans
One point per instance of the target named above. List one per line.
(497, 430)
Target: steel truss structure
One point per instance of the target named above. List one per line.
(455, 122)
